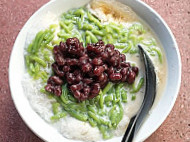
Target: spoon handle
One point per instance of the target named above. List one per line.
(129, 134)
(148, 100)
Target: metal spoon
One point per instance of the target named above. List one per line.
(148, 100)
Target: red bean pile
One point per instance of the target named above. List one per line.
(87, 70)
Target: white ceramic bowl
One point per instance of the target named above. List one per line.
(158, 114)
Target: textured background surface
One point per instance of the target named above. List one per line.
(13, 15)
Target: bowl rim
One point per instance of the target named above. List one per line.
(137, 1)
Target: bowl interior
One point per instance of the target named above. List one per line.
(158, 113)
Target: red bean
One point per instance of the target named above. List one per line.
(116, 53)
(79, 77)
(87, 80)
(77, 94)
(99, 43)
(124, 71)
(111, 70)
(104, 56)
(131, 77)
(101, 77)
(124, 78)
(73, 88)
(79, 86)
(110, 46)
(87, 70)
(95, 88)
(98, 50)
(123, 57)
(98, 70)
(115, 76)
(86, 90)
(114, 61)
(105, 81)
(66, 69)
(83, 60)
(125, 64)
(63, 46)
(97, 61)
(70, 78)
(136, 70)
(55, 68)
(90, 48)
(49, 88)
(72, 41)
(57, 90)
(72, 62)
(83, 97)
(56, 50)
(57, 80)
(110, 50)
